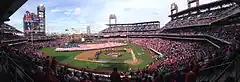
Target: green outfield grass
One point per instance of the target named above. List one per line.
(68, 58)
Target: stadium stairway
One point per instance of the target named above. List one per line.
(233, 70)
(10, 71)
(208, 74)
(220, 73)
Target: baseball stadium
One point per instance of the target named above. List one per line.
(53, 42)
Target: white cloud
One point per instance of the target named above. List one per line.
(55, 10)
(67, 13)
(77, 11)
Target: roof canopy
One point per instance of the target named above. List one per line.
(204, 6)
(135, 23)
(8, 7)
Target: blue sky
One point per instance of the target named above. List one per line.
(66, 14)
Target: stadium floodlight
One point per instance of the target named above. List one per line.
(189, 2)
(41, 5)
(112, 17)
(174, 7)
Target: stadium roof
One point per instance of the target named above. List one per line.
(135, 23)
(204, 6)
(8, 7)
(8, 29)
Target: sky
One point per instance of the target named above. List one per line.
(78, 14)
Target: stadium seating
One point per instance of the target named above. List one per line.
(35, 62)
(203, 18)
(8, 33)
(178, 53)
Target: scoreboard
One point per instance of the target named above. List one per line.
(31, 22)
(34, 23)
(41, 15)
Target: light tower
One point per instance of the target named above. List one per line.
(174, 9)
(41, 15)
(112, 17)
(189, 2)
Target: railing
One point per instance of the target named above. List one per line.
(233, 70)
(156, 52)
(14, 70)
(208, 73)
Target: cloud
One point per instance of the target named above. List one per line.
(74, 11)
(67, 13)
(127, 9)
(55, 10)
(77, 11)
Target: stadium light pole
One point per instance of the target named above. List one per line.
(67, 32)
(32, 36)
(127, 34)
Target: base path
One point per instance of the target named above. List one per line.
(134, 59)
(133, 55)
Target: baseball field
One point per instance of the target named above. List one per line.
(134, 58)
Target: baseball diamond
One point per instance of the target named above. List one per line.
(126, 57)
